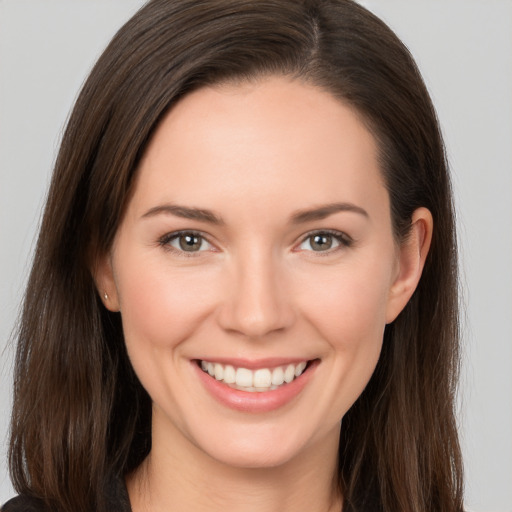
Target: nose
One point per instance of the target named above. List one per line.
(256, 302)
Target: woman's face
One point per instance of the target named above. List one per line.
(257, 246)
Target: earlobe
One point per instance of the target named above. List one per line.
(103, 275)
(412, 255)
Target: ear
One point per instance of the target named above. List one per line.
(412, 255)
(103, 275)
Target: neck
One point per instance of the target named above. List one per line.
(179, 476)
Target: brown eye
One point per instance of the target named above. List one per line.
(185, 241)
(323, 241)
(190, 242)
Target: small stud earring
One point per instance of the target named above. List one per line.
(105, 295)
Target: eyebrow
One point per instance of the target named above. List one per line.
(186, 213)
(299, 217)
(324, 211)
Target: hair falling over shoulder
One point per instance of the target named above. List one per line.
(80, 415)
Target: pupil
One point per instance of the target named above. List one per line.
(190, 242)
(322, 242)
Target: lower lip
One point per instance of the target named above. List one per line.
(258, 401)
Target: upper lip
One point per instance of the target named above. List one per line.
(254, 364)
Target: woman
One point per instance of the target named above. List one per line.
(244, 289)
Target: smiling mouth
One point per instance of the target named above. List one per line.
(259, 381)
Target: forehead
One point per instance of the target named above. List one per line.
(273, 140)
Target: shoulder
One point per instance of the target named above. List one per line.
(116, 496)
(23, 504)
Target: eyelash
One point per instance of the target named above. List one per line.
(165, 241)
(344, 240)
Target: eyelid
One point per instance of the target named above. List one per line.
(164, 242)
(344, 240)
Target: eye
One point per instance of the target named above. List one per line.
(185, 241)
(324, 241)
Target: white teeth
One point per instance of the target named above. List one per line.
(219, 371)
(289, 373)
(277, 376)
(298, 370)
(229, 375)
(244, 377)
(263, 379)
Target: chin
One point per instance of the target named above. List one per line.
(257, 450)
(252, 457)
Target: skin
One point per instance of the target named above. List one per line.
(255, 154)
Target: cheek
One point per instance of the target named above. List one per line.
(161, 305)
(349, 306)
(350, 314)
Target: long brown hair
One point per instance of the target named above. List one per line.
(80, 415)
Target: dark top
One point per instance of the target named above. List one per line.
(117, 497)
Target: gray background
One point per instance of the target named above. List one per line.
(464, 49)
